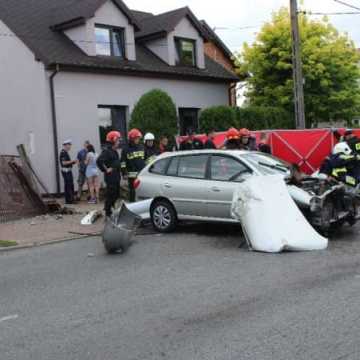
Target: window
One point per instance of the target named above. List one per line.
(224, 168)
(193, 166)
(188, 119)
(110, 41)
(111, 118)
(185, 52)
(159, 167)
(173, 167)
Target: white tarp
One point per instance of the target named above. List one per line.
(270, 218)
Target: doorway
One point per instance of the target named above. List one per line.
(189, 119)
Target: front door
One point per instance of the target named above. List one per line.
(188, 120)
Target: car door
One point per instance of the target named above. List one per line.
(226, 172)
(184, 184)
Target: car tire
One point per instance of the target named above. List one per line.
(163, 216)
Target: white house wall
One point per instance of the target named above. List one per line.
(161, 47)
(25, 112)
(107, 14)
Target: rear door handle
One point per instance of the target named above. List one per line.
(167, 185)
(215, 189)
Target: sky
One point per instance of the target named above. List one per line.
(235, 15)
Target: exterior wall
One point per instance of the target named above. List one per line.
(108, 14)
(78, 95)
(186, 30)
(25, 111)
(161, 48)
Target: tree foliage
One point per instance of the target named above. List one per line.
(330, 67)
(155, 112)
(219, 118)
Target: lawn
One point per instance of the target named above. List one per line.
(7, 243)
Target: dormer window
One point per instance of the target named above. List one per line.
(110, 41)
(185, 52)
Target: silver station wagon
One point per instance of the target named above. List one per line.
(199, 185)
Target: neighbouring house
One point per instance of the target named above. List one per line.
(72, 69)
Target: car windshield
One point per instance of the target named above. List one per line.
(266, 164)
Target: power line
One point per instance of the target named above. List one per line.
(329, 13)
(347, 4)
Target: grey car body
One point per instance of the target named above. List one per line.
(200, 184)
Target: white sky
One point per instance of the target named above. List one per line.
(233, 14)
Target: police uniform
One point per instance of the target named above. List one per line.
(132, 162)
(66, 172)
(109, 158)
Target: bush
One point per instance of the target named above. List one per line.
(155, 112)
(263, 118)
(219, 118)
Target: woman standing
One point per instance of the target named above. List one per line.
(92, 174)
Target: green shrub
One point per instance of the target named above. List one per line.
(219, 118)
(155, 112)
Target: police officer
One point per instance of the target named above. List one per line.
(109, 163)
(66, 171)
(133, 160)
(151, 152)
(339, 165)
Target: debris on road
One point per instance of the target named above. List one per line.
(282, 225)
(91, 217)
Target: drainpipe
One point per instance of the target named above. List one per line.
(231, 88)
(54, 128)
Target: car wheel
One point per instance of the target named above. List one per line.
(163, 216)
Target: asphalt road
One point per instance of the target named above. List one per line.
(189, 295)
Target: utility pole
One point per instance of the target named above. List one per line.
(297, 67)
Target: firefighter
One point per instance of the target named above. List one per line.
(247, 142)
(232, 139)
(66, 171)
(353, 141)
(133, 160)
(109, 163)
(191, 142)
(339, 165)
(151, 152)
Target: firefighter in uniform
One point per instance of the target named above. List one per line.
(339, 165)
(133, 160)
(151, 152)
(247, 142)
(66, 171)
(109, 163)
(353, 141)
(232, 139)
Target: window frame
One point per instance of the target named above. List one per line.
(112, 30)
(230, 157)
(178, 48)
(167, 159)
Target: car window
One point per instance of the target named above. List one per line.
(159, 167)
(193, 166)
(266, 164)
(224, 168)
(173, 167)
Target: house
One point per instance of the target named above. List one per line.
(73, 69)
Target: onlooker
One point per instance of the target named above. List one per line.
(81, 156)
(209, 144)
(109, 163)
(66, 170)
(164, 145)
(92, 174)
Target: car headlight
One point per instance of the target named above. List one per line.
(315, 204)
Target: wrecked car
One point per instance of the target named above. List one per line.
(199, 186)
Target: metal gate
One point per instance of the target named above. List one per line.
(15, 200)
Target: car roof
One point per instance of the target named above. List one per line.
(205, 151)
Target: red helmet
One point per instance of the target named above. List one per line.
(134, 133)
(244, 133)
(232, 134)
(112, 136)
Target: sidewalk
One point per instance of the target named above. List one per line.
(48, 228)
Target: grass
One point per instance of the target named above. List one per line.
(7, 243)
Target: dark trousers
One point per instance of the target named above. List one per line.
(68, 187)
(111, 196)
(132, 192)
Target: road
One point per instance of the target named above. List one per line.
(189, 295)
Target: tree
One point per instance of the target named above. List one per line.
(155, 112)
(330, 66)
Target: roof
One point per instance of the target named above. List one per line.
(31, 21)
(212, 36)
(141, 15)
(160, 25)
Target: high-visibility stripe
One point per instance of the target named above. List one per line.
(338, 171)
(350, 180)
(357, 146)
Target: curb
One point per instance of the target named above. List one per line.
(45, 243)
